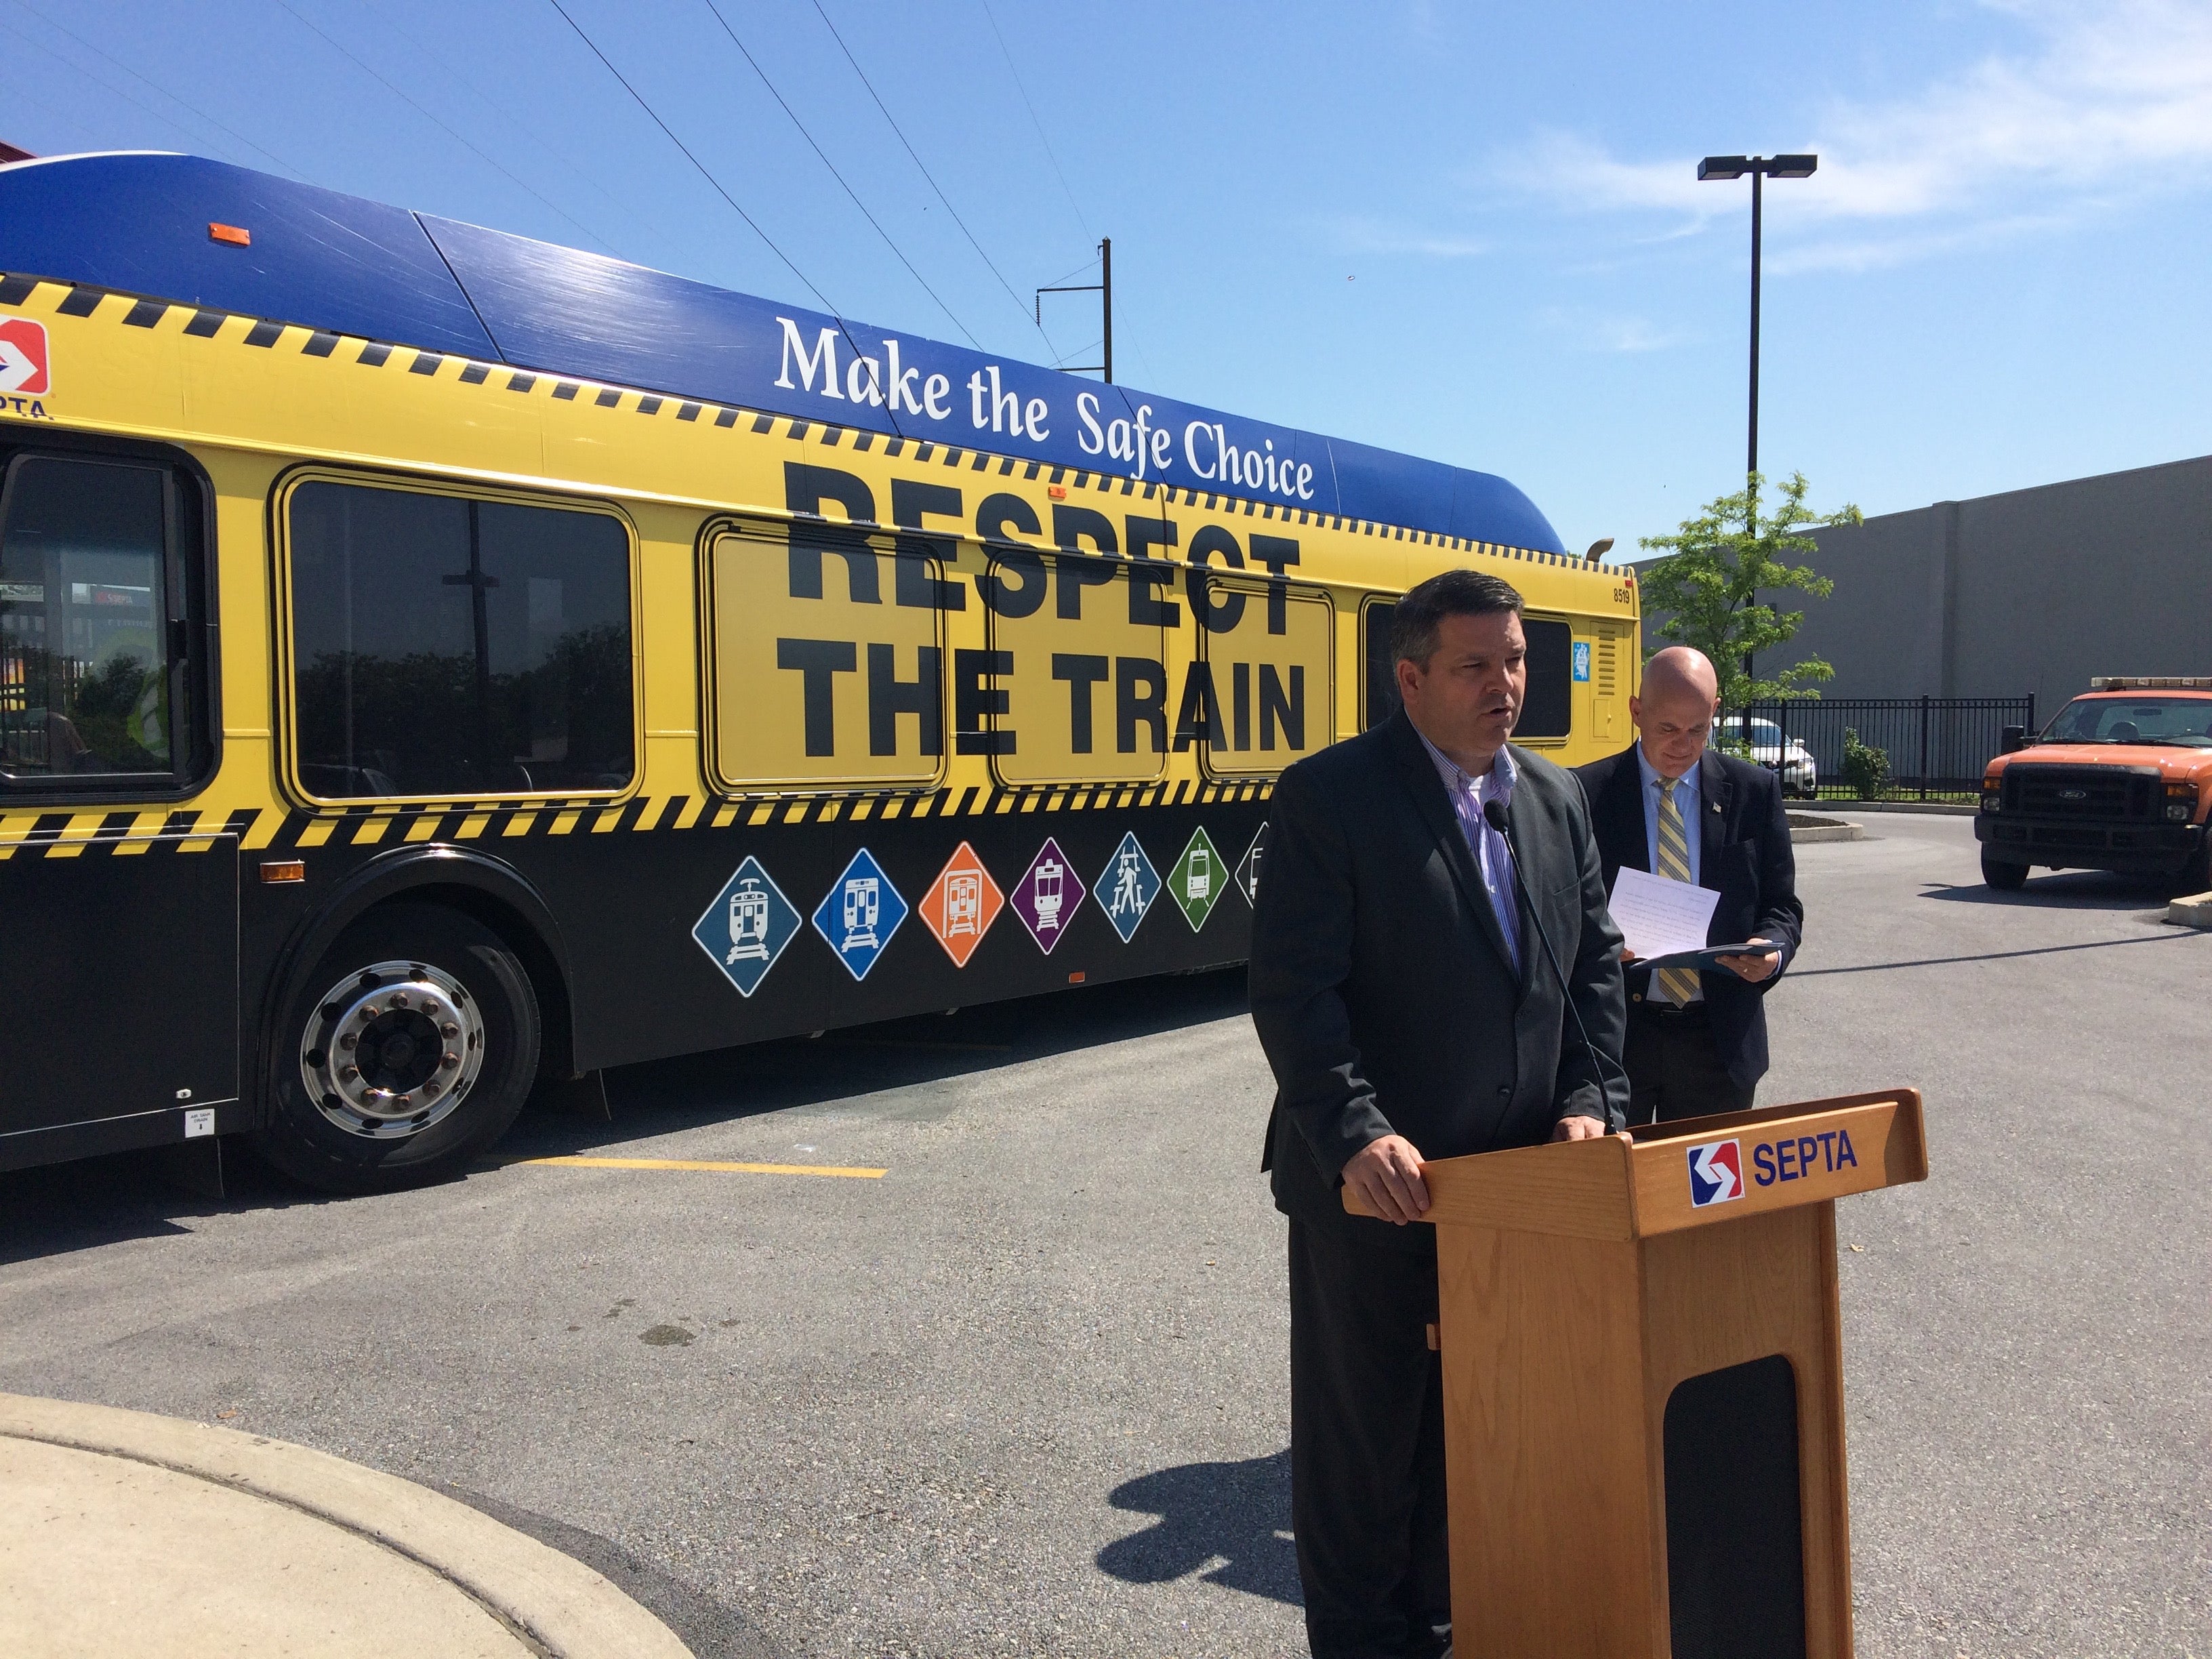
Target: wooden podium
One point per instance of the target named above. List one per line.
(1643, 1372)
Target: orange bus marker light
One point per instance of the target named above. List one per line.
(236, 235)
(276, 870)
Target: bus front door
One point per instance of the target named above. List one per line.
(118, 994)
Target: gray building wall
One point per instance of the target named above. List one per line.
(2031, 591)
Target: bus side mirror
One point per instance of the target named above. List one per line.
(2015, 737)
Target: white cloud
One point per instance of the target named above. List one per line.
(2106, 101)
(1358, 235)
(1593, 331)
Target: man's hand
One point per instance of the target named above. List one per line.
(1579, 1129)
(1752, 968)
(1387, 1173)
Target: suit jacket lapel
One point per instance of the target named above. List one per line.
(1419, 774)
(1715, 795)
(1623, 805)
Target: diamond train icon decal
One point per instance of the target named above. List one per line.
(1198, 880)
(744, 930)
(860, 914)
(1126, 887)
(961, 905)
(1247, 870)
(1048, 895)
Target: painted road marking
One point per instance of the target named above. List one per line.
(849, 1171)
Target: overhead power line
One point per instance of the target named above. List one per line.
(368, 69)
(202, 114)
(926, 173)
(838, 176)
(719, 190)
(1034, 122)
(525, 128)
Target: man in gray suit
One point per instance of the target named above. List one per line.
(1405, 1000)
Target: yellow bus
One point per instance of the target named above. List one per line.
(433, 661)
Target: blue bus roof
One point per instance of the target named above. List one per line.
(139, 222)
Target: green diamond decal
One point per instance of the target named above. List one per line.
(1198, 880)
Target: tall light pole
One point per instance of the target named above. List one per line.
(1761, 168)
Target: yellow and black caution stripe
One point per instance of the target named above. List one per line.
(134, 311)
(134, 830)
(123, 832)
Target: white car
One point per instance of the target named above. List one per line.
(1795, 761)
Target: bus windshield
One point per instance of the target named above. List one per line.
(2186, 721)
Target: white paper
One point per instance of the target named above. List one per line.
(1659, 916)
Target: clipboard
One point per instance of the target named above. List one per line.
(1701, 961)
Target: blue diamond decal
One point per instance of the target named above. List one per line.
(1127, 885)
(746, 928)
(860, 914)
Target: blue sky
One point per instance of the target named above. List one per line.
(1469, 232)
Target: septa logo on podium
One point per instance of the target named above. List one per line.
(1715, 1173)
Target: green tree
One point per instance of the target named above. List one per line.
(1709, 586)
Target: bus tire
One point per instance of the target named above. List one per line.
(405, 1053)
(2003, 875)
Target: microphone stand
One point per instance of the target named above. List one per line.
(1494, 813)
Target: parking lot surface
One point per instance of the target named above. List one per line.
(1026, 1391)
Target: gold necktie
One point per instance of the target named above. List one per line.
(1676, 985)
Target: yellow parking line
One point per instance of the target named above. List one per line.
(849, 1171)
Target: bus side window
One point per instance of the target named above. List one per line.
(1547, 709)
(447, 646)
(1382, 685)
(91, 691)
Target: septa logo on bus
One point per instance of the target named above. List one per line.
(832, 662)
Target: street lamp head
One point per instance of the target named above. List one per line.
(1792, 167)
(1723, 167)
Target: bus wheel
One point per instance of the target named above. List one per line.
(408, 1051)
(2004, 876)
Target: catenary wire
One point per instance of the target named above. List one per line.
(528, 131)
(371, 72)
(838, 176)
(1015, 69)
(144, 80)
(750, 223)
(927, 174)
(1034, 121)
(169, 121)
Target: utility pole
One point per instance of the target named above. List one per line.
(1103, 287)
(1761, 167)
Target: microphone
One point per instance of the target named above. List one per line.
(1495, 814)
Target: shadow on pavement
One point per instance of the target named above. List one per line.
(711, 1629)
(2078, 889)
(2167, 937)
(127, 1196)
(1239, 1513)
(661, 1097)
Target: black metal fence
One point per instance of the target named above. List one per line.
(1905, 748)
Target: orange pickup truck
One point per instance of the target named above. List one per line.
(2121, 779)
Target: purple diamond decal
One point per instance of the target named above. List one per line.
(1047, 896)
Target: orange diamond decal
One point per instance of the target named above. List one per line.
(961, 904)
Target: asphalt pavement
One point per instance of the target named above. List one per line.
(1024, 1392)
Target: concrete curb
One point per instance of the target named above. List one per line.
(1807, 828)
(2195, 911)
(1943, 808)
(558, 1604)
